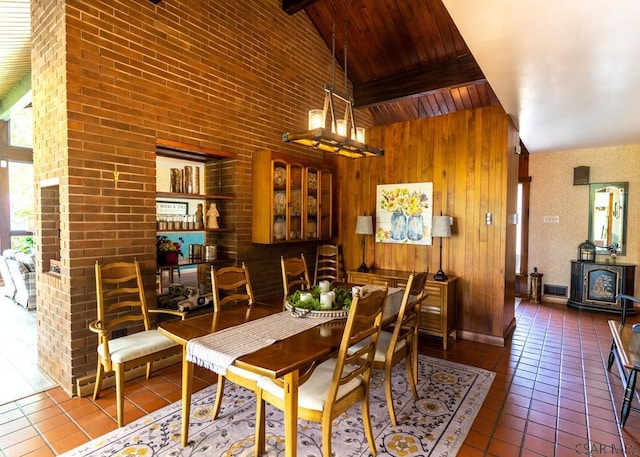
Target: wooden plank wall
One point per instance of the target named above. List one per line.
(470, 158)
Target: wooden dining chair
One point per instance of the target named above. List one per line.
(295, 275)
(327, 264)
(401, 341)
(336, 384)
(230, 285)
(234, 286)
(121, 301)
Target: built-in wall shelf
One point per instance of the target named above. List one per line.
(194, 196)
(190, 181)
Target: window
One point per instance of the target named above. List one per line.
(21, 200)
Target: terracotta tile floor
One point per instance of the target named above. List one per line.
(551, 396)
(21, 375)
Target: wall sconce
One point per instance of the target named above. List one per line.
(441, 228)
(364, 226)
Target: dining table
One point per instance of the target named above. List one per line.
(282, 359)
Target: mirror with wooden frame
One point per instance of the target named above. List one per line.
(608, 216)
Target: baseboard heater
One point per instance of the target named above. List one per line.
(554, 290)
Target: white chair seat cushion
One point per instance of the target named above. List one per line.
(251, 375)
(313, 393)
(384, 339)
(136, 345)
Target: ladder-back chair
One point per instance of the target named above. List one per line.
(401, 342)
(234, 286)
(327, 264)
(336, 384)
(295, 275)
(121, 304)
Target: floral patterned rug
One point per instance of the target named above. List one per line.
(451, 395)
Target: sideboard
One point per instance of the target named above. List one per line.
(438, 310)
(595, 285)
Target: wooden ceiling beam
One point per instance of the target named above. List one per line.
(461, 71)
(16, 154)
(293, 6)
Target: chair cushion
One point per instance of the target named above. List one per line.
(139, 344)
(313, 393)
(251, 375)
(384, 339)
(27, 260)
(9, 286)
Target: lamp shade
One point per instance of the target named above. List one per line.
(364, 226)
(441, 226)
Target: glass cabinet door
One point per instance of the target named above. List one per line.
(279, 184)
(325, 224)
(294, 212)
(313, 203)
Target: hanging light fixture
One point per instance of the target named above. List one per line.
(344, 137)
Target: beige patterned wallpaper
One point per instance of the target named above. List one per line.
(552, 245)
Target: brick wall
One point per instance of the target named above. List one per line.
(226, 75)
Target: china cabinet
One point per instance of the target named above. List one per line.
(292, 199)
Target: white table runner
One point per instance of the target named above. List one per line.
(218, 350)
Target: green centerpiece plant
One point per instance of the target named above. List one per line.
(343, 298)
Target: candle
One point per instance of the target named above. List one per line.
(324, 286)
(326, 301)
(355, 290)
(305, 297)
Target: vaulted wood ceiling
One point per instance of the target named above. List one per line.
(406, 59)
(15, 46)
(566, 71)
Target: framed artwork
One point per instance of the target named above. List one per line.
(404, 212)
(172, 208)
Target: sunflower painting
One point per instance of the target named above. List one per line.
(403, 213)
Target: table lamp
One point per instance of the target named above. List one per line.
(364, 226)
(441, 228)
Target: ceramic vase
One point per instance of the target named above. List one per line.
(167, 258)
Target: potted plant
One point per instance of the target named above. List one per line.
(168, 250)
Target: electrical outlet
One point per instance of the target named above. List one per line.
(551, 219)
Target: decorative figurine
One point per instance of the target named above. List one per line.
(199, 217)
(213, 216)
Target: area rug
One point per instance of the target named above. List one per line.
(450, 396)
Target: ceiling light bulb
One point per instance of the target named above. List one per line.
(358, 135)
(316, 119)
